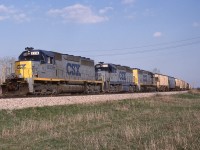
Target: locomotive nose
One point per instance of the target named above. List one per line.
(23, 69)
(99, 76)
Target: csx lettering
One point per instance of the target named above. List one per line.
(122, 75)
(73, 69)
(22, 66)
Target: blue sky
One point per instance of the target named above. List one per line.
(162, 34)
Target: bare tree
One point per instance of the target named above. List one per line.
(156, 70)
(6, 67)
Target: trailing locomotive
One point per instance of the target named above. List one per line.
(145, 80)
(42, 72)
(116, 78)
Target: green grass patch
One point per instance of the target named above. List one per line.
(188, 96)
(164, 122)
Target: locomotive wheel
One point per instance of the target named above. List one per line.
(131, 89)
(23, 89)
(87, 89)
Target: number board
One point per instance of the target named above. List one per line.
(35, 53)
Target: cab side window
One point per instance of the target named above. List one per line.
(50, 60)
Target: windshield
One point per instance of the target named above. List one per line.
(31, 56)
(105, 67)
(102, 69)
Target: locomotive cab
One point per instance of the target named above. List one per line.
(102, 72)
(37, 55)
(33, 63)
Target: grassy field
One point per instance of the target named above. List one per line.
(161, 122)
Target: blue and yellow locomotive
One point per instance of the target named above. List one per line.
(116, 78)
(46, 72)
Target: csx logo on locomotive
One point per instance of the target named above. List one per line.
(22, 66)
(122, 75)
(73, 69)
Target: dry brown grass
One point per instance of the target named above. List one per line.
(162, 122)
(194, 91)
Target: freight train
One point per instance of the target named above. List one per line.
(42, 72)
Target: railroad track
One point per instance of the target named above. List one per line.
(59, 95)
(27, 102)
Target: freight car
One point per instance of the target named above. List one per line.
(162, 82)
(172, 83)
(178, 84)
(184, 85)
(46, 72)
(181, 85)
(116, 78)
(144, 80)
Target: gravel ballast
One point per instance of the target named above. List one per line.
(20, 103)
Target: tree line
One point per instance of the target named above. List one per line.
(6, 67)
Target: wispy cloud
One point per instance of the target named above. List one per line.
(157, 34)
(4, 9)
(196, 24)
(105, 10)
(128, 1)
(78, 13)
(11, 13)
(3, 18)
